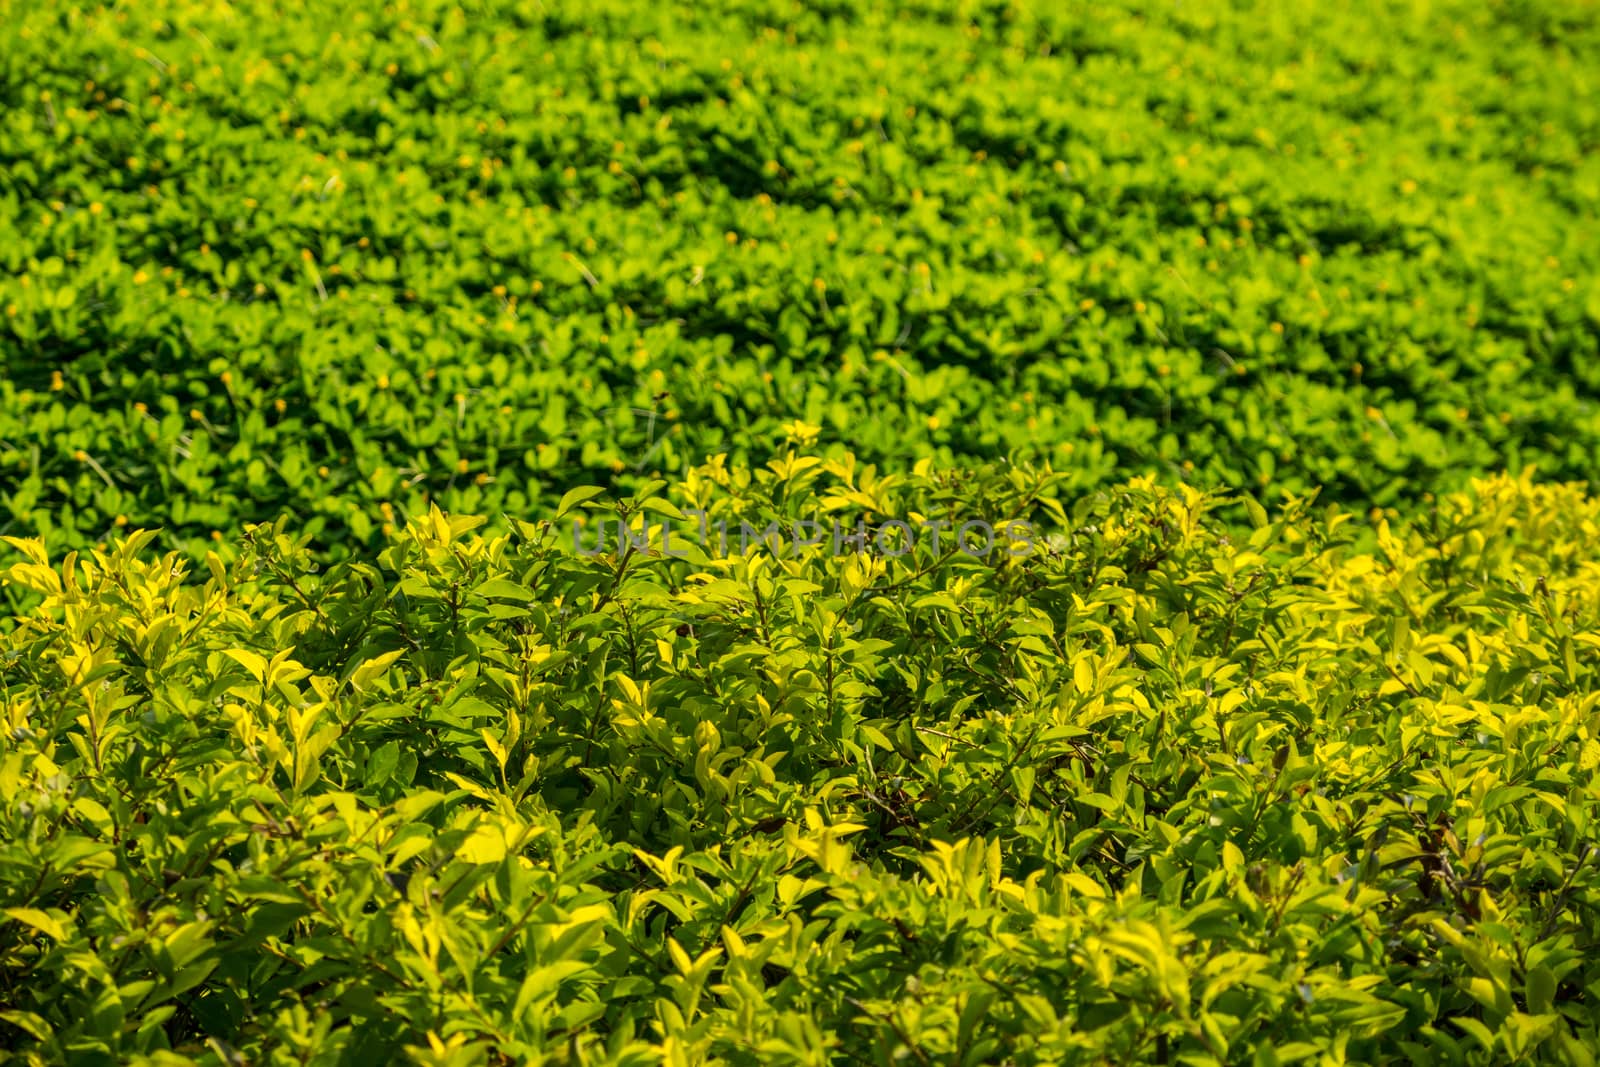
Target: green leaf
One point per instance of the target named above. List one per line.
(250, 661)
(574, 497)
(39, 920)
(369, 670)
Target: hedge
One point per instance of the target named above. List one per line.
(1313, 790)
(328, 258)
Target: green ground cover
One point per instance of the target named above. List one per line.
(328, 257)
(327, 740)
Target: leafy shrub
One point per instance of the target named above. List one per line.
(1309, 790)
(327, 739)
(329, 258)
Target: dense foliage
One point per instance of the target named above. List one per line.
(1157, 792)
(1266, 336)
(327, 256)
